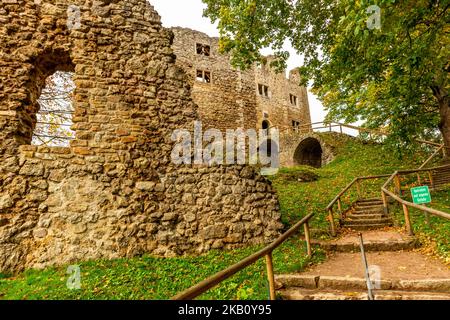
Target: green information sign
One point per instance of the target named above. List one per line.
(421, 195)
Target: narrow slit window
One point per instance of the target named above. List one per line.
(54, 119)
(294, 100)
(296, 125)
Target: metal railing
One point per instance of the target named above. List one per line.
(267, 252)
(366, 268)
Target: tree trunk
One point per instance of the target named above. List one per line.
(444, 110)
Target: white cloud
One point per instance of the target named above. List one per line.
(189, 14)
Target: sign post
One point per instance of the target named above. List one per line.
(421, 195)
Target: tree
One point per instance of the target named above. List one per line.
(392, 75)
(54, 118)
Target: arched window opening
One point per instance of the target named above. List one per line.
(309, 153)
(265, 125)
(54, 118)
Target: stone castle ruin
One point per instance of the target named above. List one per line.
(114, 192)
(228, 98)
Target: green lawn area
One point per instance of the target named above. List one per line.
(434, 233)
(354, 159)
(156, 278)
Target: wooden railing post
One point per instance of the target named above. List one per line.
(398, 187)
(358, 189)
(419, 179)
(340, 206)
(430, 175)
(407, 220)
(270, 276)
(308, 239)
(331, 219)
(385, 203)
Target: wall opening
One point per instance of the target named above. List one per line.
(203, 76)
(268, 148)
(54, 118)
(203, 49)
(309, 153)
(263, 90)
(294, 100)
(265, 125)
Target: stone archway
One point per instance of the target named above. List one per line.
(309, 152)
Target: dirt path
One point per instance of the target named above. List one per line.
(394, 265)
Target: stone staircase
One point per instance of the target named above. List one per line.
(405, 274)
(441, 177)
(298, 287)
(366, 214)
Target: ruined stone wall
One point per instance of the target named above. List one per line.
(232, 98)
(278, 105)
(228, 101)
(115, 191)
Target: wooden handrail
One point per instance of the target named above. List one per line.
(406, 204)
(421, 170)
(379, 132)
(432, 157)
(431, 143)
(333, 202)
(417, 206)
(267, 252)
(221, 276)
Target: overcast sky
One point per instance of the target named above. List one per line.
(189, 13)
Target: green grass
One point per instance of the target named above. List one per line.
(434, 233)
(354, 159)
(157, 278)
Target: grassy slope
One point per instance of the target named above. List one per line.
(154, 278)
(434, 233)
(355, 159)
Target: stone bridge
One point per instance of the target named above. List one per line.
(310, 149)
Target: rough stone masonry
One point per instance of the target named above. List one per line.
(114, 192)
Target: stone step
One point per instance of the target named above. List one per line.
(365, 216)
(289, 281)
(359, 207)
(369, 199)
(305, 294)
(369, 211)
(369, 202)
(441, 176)
(367, 221)
(365, 227)
(371, 246)
(442, 181)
